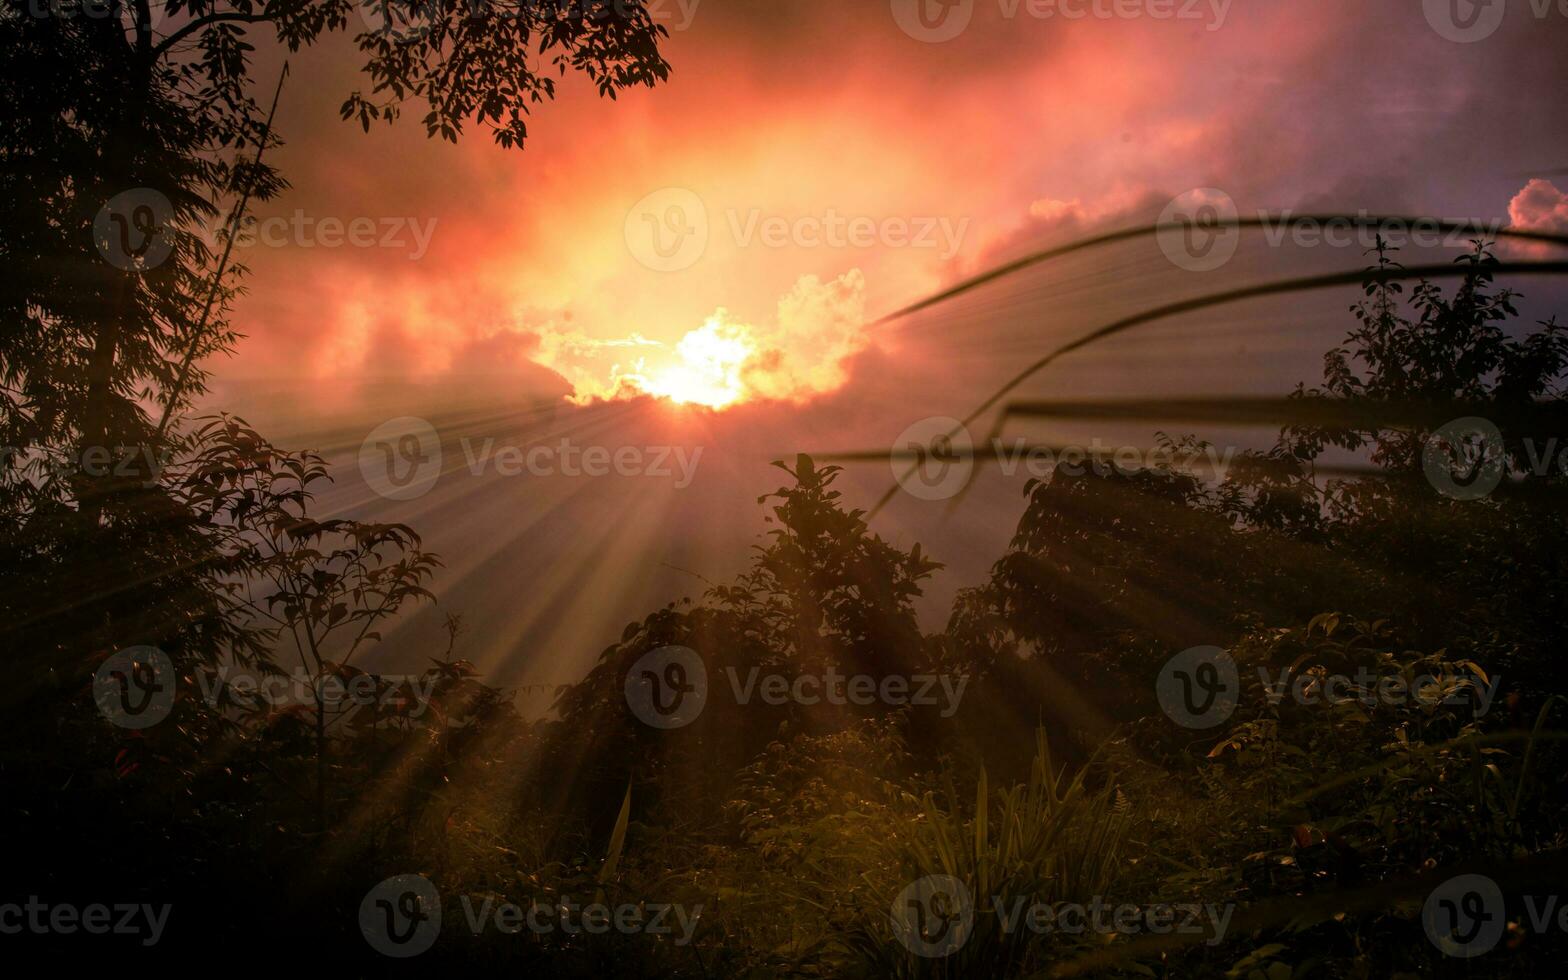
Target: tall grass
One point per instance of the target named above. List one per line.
(1051, 839)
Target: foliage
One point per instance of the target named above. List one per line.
(1051, 839)
(794, 827)
(105, 341)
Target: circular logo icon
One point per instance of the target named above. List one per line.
(1464, 916)
(134, 230)
(667, 231)
(933, 916)
(400, 21)
(668, 687)
(934, 458)
(1463, 459)
(134, 688)
(933, 21)
(401, 458)
(1199, 687)
(1465, 21)
(401, 917)
(1197, 231)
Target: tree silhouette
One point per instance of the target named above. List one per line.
(822, 593)
(130, 127)
(1111, 572)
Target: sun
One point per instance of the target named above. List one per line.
(708, 369)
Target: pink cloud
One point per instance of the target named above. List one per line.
(1540, 206)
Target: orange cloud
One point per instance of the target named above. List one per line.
(800, 354)
(1022, 130)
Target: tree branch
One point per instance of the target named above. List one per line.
(204, 22)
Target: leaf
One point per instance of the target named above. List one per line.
(805, 471)
(1327, 622)
(1475, 669)
(612, 856)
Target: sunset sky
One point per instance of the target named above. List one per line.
(792, 125)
